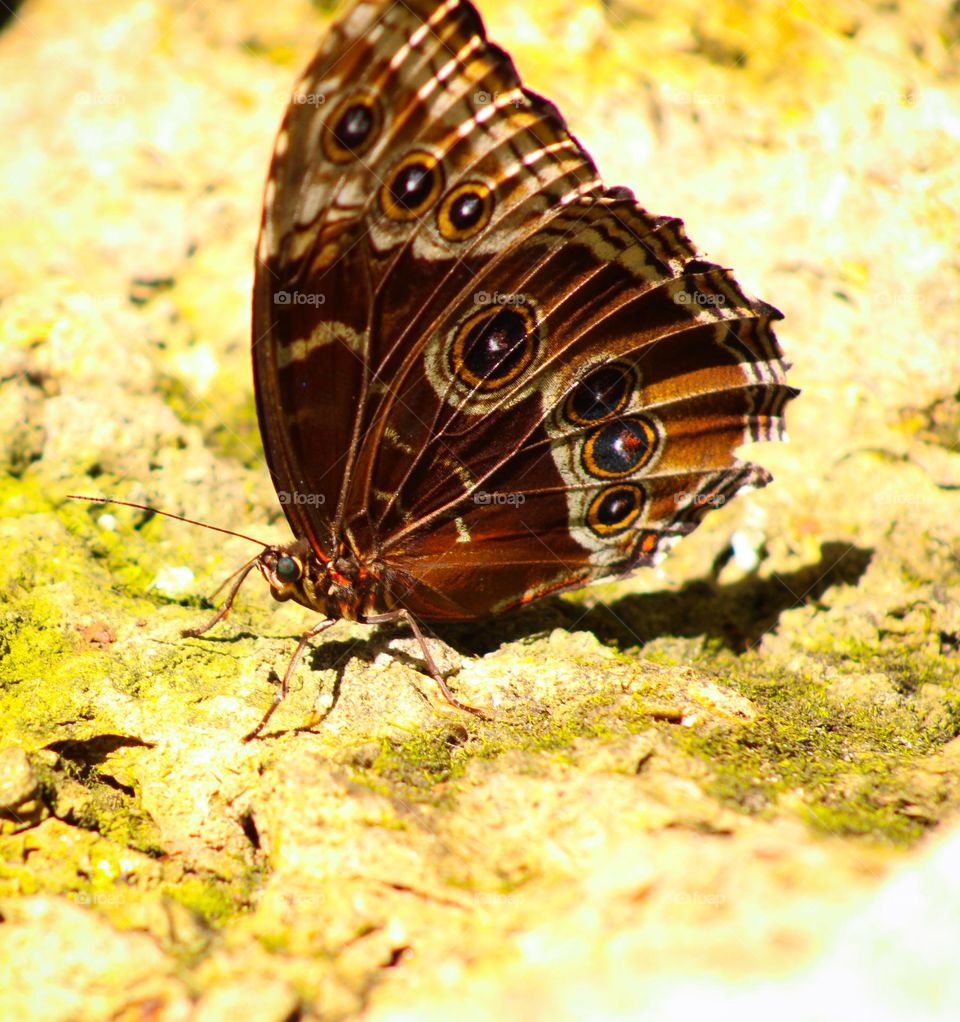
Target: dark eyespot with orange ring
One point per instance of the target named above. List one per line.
(289, 569)
(615, 509)
(620, 448)
(412, 186)
(493, 347)
(352, 127)
(601, 394)
(465, 211)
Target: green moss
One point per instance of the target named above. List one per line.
(58, 859)
(422, 760)
(426, 763)
(836, 757)
(229, 428)
(214, 901)
(107, 808)
(863, 818)
(21, 496)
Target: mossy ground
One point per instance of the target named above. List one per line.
(702, 770)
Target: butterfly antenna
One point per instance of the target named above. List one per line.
(168, 514)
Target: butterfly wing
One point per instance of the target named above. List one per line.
(379, 126)
(518, 381)
(585, 425)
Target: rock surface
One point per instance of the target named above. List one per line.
(725, 788)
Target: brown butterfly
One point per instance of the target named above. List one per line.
(481, 375)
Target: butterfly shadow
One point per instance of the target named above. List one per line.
(332, 655)
(735, 615)
(323, 655)
(338, 655)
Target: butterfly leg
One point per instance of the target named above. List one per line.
(192, 633)
(405, 616)
(284, 686)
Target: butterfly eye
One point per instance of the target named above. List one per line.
(615, 509)
(352, 128)
(465, 211)
(620, 448)
(601, 394)
(412, 186)
(289, 569)
(493, 347)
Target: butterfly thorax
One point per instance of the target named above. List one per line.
(341, 587)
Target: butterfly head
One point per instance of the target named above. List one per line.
(337, 588)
